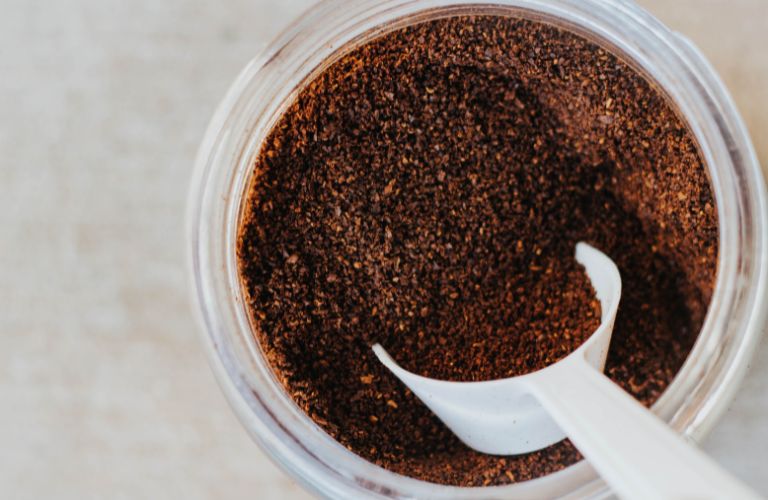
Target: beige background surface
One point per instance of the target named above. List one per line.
(104, 389)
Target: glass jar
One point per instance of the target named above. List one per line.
(701, 390)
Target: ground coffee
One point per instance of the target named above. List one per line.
(426, 191)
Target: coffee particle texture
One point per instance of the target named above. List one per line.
(426, 191)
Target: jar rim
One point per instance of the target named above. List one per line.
(701, 389)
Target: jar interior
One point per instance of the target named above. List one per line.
(636, 187)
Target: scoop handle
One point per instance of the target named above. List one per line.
(634, 451)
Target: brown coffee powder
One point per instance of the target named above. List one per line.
(427, 190)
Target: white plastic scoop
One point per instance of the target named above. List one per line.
(636, 453)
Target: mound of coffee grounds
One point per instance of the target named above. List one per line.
(427, 190)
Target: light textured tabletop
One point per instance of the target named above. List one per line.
(105, 390)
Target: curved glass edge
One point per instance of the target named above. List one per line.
(754, 231)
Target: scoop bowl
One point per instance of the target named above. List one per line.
(513, 420)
